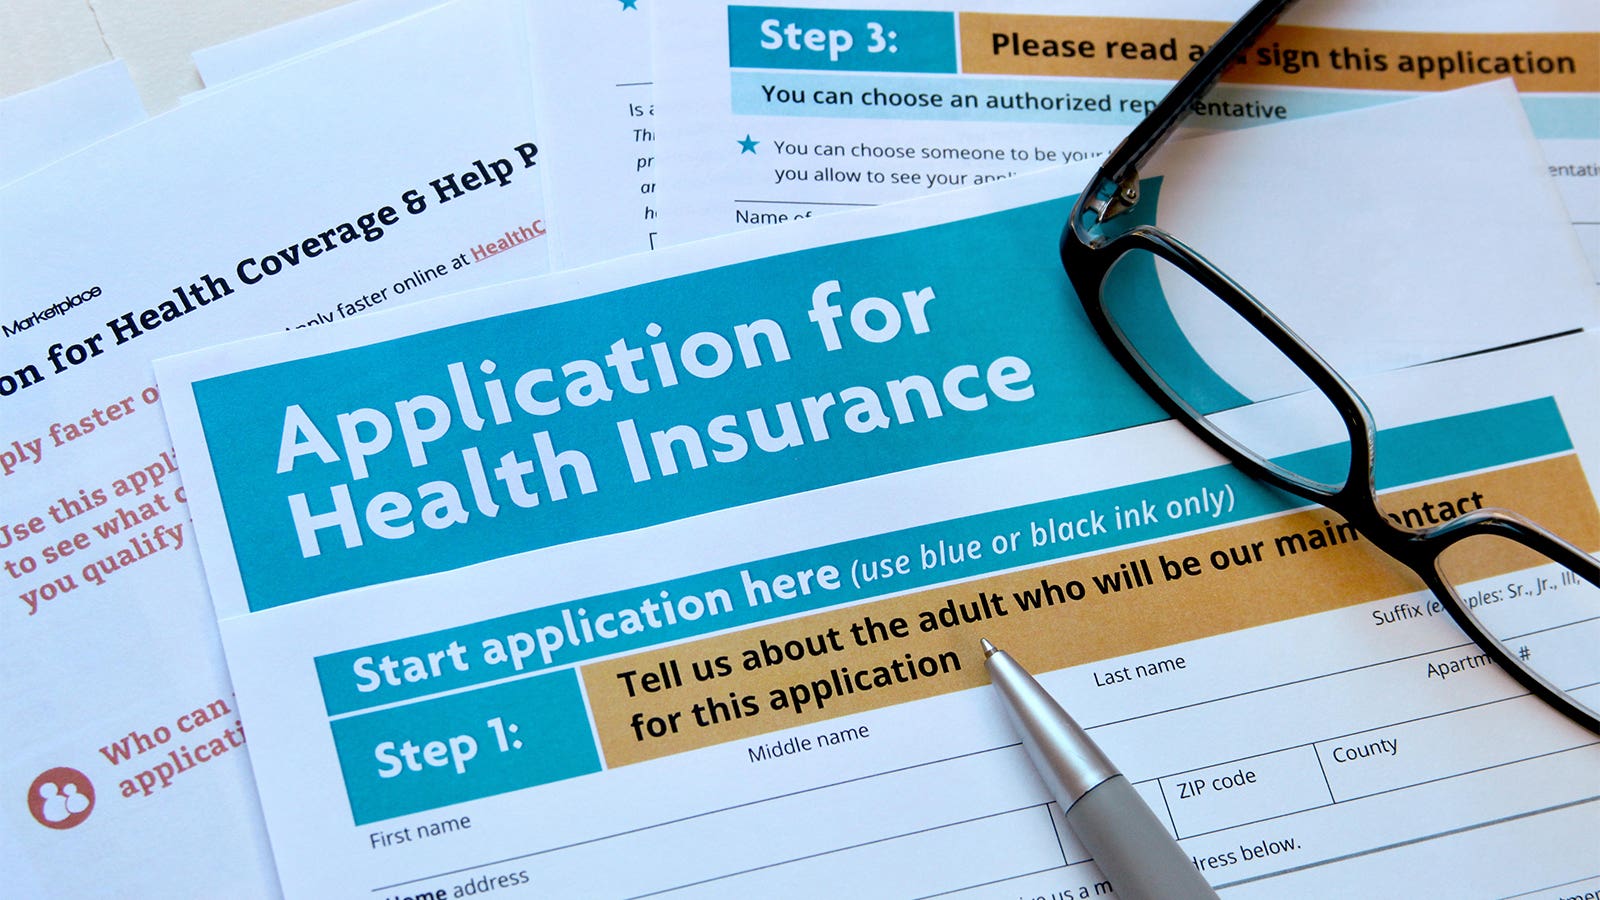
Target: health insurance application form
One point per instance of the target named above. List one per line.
(796, 109)
(674, 587)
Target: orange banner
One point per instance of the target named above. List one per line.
(1092, 47)
(922, 644)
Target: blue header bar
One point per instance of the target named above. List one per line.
(775, 37)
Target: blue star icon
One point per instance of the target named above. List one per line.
(748, 145)
(630, 4)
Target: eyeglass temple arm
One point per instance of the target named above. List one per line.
(1120, 172)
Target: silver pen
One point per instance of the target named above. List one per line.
(1129, 844)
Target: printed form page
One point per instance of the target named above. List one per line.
(272, 206)
(797, 109)
(666, 577)
(49, 122)
(592, 83)
(595, 91)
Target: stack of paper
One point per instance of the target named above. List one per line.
(534, 536)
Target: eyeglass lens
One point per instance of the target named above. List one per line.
(1544, 615)
(1217, 362)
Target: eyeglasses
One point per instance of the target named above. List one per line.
(1199, 343)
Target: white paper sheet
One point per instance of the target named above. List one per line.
(451, 588)
(269, 47)
(824, 126)
(592, 86)
(286, 203)
(595, 91)
(49, 122)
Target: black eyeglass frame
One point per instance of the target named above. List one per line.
(1088, 254)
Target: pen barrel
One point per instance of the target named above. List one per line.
(1066, 758)
(1132, 847)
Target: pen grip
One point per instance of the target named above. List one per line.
(1131, 846)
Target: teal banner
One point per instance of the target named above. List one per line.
(776, 37)
(493, 740)
(659, 402)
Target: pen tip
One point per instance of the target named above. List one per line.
(988, 648)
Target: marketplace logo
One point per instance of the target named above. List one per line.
(61, 798)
